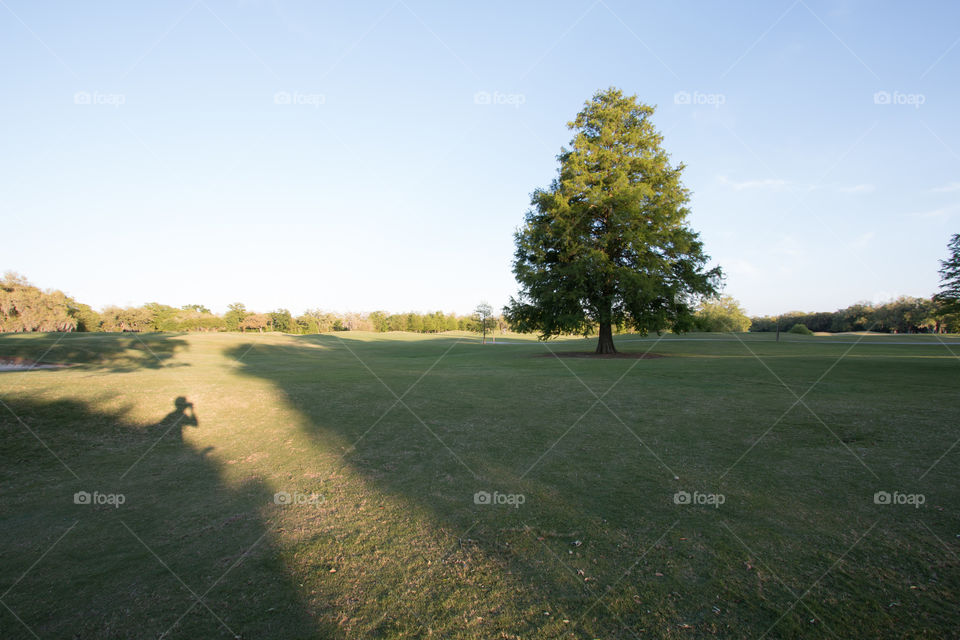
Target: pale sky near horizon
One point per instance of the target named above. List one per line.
(361, 156)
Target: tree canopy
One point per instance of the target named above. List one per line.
(607, 244)
(722, 314)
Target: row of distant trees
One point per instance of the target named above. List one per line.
(24, 307)
(903, 315)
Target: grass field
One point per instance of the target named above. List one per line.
(327, 487)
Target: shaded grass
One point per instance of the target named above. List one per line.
(390, 542)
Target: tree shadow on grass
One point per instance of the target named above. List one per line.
(115, 530)
(102, 352)
(469, 560)
(428, 478)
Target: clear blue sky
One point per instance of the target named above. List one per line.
(337, 155)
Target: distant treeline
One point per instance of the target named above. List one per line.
(903, 315)
(24, 307)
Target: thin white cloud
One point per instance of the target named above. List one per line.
(741, 267)
(940, 212)
(778, 184)
(858, 188)
(862, 241)
(947, 188)
(769, 183)
(788, 245)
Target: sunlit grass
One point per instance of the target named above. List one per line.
(381, 441)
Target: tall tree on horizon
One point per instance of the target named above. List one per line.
(484, 315)
(607, 244)
(949, 294)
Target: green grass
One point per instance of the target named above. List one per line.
(390, 542)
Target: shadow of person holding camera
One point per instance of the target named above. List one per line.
(183, 415)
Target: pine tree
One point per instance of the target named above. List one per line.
(949, 295)
(607, 244)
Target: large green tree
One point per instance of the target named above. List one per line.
(607, 244)
(949, 295)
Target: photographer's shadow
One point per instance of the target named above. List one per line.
(170, 428)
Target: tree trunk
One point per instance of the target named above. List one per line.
(605, 343)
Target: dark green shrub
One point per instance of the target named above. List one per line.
(801, 329)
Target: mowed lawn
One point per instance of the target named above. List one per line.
(378, 445)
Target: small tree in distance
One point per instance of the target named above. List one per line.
(723, 314)
(484, 316)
